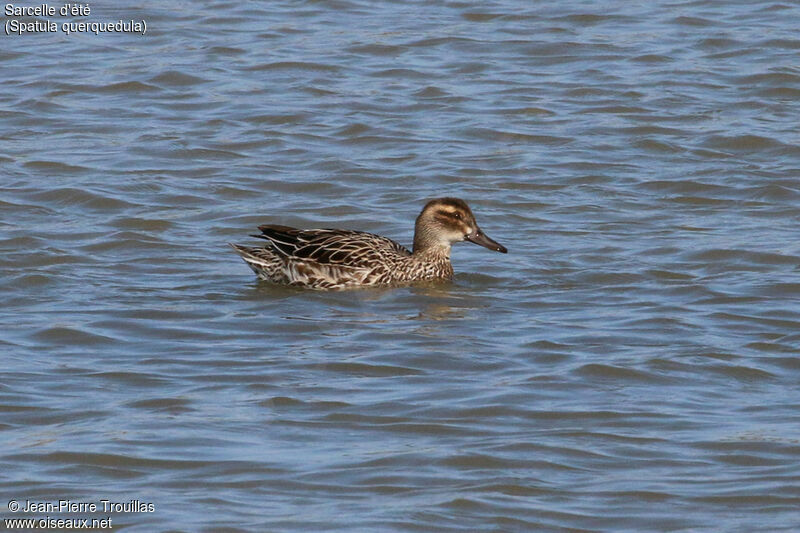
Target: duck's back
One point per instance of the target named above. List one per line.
(355, 249)
(324, 258)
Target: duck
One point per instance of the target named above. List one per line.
(331, 259)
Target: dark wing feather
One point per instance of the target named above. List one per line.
(332, 246)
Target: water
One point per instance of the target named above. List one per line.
(630, 365)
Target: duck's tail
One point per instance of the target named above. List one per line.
(264, 262)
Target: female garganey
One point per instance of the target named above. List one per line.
(338, 259)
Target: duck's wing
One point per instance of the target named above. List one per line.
(355, 249)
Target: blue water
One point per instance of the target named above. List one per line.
(630, 365)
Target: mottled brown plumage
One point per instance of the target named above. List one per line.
(337, 259)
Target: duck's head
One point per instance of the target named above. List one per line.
(444, 221)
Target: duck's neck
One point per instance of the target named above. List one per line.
(428, 244)
(431, 252)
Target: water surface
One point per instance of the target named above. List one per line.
(630, 365)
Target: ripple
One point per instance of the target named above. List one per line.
(112, 460)
(70, 196)
(173, 406)
(601, 371)
(294, 65)
(722, 255)
(177, 78)
(693, 21)
(71, 336)
(375, 49)
(746, 143)
(514, 137)
(54, 167)
(124, 87)
(370, 370)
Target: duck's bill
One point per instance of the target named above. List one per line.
(479, 237)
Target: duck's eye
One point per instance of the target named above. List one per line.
(457, 215)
